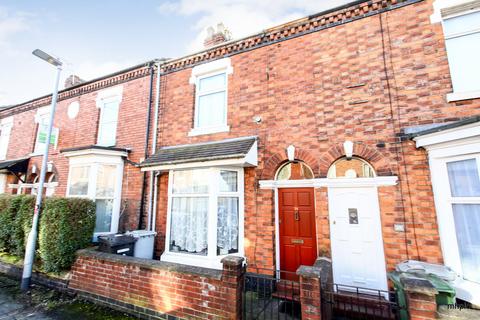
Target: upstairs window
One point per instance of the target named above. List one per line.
(42, 118)
(462, 40)
(211, 91)
(5, 128)
(211, 102)
(108, 101)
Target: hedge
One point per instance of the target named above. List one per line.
(66, 225)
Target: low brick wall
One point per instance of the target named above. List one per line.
(156, 289)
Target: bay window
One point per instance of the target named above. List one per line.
(455, 172)
(464, 181)
(205, 216)
(98, 177)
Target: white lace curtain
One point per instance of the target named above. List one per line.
(189, 225)
(227, 224)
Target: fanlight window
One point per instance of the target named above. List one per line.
(353, 168)
(294, 170)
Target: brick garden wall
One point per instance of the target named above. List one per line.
(155, 288)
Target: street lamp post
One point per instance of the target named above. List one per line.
(32, 236)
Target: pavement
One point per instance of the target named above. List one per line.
(41, 303)
(12, 308)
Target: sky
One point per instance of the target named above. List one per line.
(97, 37)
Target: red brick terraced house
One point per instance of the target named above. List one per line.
(352, 134)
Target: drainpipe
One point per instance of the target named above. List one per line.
(152, 197)
(147, 135)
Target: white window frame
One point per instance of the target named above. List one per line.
(93, 162)
(447, 146)
(437, 17)
(42, 114)
(222, 66)
(111, 95)
(6, 125)
(211, 260)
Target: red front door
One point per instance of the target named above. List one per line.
(297, 228)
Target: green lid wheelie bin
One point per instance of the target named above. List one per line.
(445, 296)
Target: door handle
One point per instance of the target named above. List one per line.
(296, 214)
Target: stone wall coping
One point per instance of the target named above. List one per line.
(232, 261)
(151, 264)
(414, 284)
(309, 272)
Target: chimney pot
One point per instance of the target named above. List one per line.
(218, 36)
(73, 80)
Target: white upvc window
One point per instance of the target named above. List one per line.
(211, 97)
(98, 178)
(462, 40)
(205, 216)
(6, 125)
(108, 101)
(463, 201)
(454, 159)
(42, 118)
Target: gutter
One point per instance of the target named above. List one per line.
(144, 64)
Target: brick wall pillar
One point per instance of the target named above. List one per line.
(232, 278)
(420, 294)
(310, 292)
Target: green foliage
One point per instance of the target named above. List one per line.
(66, 225)
(22, 209)
(6, 221)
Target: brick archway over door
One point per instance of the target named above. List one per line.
(378, 161)
(274, 162)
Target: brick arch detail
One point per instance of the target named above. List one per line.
(276, 160)
(379, 162)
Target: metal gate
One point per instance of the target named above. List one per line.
(340, 302)
(267, 296)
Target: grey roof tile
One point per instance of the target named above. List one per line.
(225, 149)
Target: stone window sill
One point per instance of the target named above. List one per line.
(202, 131)
(459, 96)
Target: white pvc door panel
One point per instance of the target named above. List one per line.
(357, 244)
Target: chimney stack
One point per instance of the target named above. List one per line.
(218, 36)
(73, 80)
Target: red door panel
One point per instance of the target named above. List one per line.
(297, 229)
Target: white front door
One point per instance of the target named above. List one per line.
(356, 237)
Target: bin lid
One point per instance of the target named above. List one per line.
(141, 233)
(441, 285)
(116, 239)
(441, 271)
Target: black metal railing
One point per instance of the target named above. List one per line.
(341, 302)
(271, 294)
